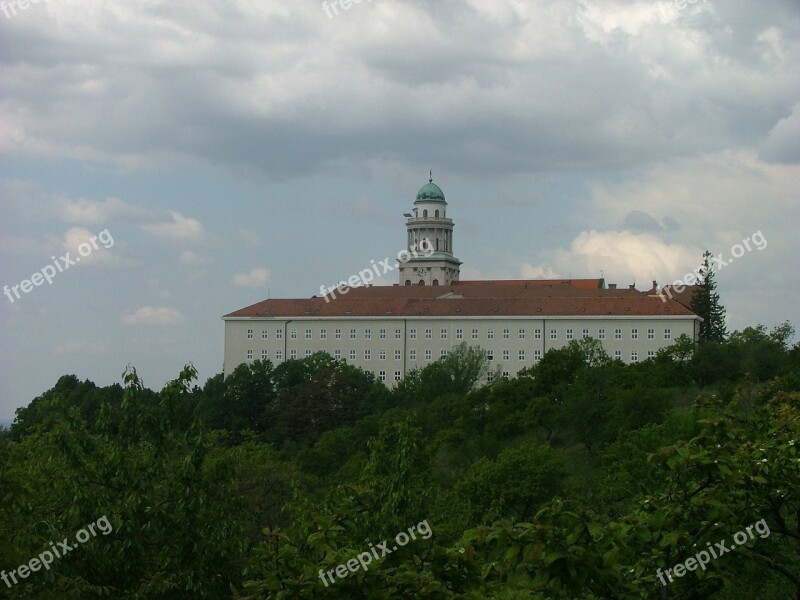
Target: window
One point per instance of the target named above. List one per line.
(618, 334)
(308, 353)
(601, 334)
(249, 334)
(585, 334)
(398, 376)
(570, 334)
(553, 334)
(323, 334)
(308, 334)
(412, 334)
(293, 354)
(537, 334)
(382, 375)
(459, 334)
(249, 355)
(352, 334)
(537, 355)
(264, 334)
(412, 355)
(279, 334)
(443, 353)
(667, 334)
(444, 334)
(264, 354)
(522, 334)
(474, 334)
(634, 334)
(634, 356)
(279, 355)
(293, 334)
(398, 355)
(505, 355)
(352, 354)
(651, 334)
(506, 375)
(367, 354)
(398, 334)
(522, 354)
(428, 334)
(651, 354)
(337, 334)
(617, 354)
(368, 334)
(506, 334)
(382, 355)
(337, 354)
(428, 355)
(382, 334)
(490, 377)
(490, 354)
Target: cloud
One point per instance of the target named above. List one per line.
(782, 144)
(257, 277)
(94, 212)
(150, 315)
(640, 221)
(77, 241)
(181, 228)
(622, 256)
(190, 258)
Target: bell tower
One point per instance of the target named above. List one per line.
(431, 263)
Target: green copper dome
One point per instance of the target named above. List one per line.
(430, 192)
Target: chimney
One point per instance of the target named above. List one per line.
(655, 284)
(632, 286)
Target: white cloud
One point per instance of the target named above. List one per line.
(181, 228)
(621, 256)
(78, 242)
(94, 212)
(150, 315)
(257, 277)
(192, 259)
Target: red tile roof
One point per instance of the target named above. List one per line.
(473, 299)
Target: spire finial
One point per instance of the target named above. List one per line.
(430, 179)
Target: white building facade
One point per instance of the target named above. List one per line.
(391, 330)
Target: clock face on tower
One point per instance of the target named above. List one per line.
(422, 271)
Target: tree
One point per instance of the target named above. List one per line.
(705, 303)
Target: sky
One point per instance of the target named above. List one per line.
(198, 157)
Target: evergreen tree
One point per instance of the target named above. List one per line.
(706, 304)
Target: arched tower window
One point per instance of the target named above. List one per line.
(437, 214)
(421, 282)
(435, 282)
(408, 282)
(425, 214)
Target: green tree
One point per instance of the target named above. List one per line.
(705, 303)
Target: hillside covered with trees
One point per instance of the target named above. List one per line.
(582, 478)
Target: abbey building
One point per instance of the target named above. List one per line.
(391, 330)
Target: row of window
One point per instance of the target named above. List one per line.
(569, 334)
(412, 355)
